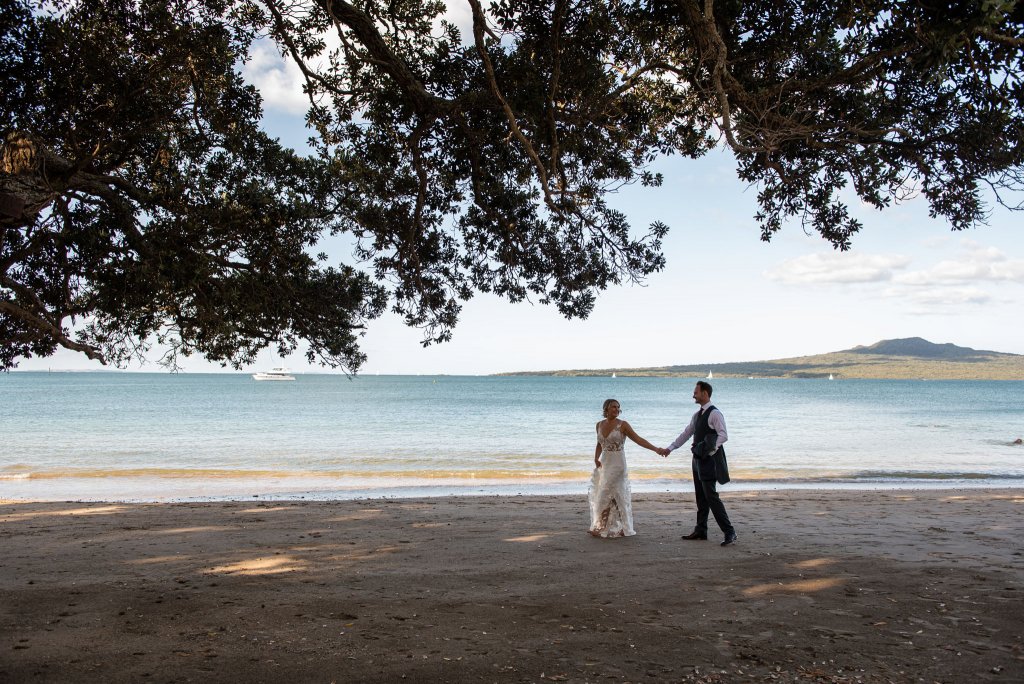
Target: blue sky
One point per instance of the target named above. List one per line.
(724, 296)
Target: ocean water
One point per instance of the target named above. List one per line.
(157, 436)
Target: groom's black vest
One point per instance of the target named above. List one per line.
(703, 427)
(704, 440)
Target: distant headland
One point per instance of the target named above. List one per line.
(911, 358)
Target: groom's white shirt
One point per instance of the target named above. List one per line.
(716, 421)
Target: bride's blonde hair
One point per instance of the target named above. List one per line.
(607, 403)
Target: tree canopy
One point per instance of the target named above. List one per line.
(140, 200)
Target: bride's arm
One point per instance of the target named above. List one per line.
(628, 430)
(597, 451)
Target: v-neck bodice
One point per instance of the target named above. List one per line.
(614, 440)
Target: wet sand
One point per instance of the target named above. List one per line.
(828, 586)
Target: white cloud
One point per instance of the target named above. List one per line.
(838, 267)
(948, 296)
(936, 242)
(939, 300)
(977, 263)
(460, 13)
(279, 80)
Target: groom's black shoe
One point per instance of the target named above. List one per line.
(696, 535)
(729, 539)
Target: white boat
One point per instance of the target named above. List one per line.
(830, 377)
(613, 375)
(711, 376)
(278, 373)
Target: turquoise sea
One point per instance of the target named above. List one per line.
(158, 436)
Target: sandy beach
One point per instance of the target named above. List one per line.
(830, 586)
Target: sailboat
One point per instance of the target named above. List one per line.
(613, 374)
(830, 377)
(711, 376)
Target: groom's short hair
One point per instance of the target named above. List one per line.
(704, 386)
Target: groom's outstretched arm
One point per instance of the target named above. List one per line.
(684, 435)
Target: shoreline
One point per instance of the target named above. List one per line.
(183, 490)
(822, 586)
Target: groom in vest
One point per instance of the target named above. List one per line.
(707, 427)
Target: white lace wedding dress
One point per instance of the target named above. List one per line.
(611, 511)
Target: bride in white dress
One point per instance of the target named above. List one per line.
(611, 511)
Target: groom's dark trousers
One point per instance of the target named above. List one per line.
(708, 501)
